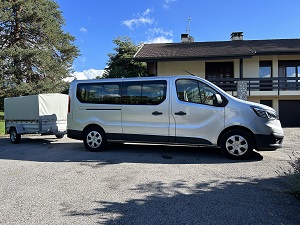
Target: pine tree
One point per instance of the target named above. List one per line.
(35, 53)
(121, 63)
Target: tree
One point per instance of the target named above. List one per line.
(35, 53)
(121, 63)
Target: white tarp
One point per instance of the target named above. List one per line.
(36, 107)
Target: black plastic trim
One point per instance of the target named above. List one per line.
(74, 134)
(268, 142)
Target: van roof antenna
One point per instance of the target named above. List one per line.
(189, 72)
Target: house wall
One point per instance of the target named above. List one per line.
(251, 67)
(177, 68)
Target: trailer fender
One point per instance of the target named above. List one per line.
(19, 128)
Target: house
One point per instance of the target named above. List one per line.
(270, 69)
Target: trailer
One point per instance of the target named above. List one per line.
(36, 114)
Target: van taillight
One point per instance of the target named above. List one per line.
(69, 104)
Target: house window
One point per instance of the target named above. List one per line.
(290, 69)
(265, 72)
(218, 70)
(152, 69)
(221, 71)
(267, 102)
(265, 69)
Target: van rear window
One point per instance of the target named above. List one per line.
(133, 92)
(99, 93)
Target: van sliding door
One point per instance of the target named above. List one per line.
(145, 111)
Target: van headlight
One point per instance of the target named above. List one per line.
(265, 113)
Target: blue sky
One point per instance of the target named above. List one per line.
(95, 23)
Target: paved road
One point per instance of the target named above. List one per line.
(44, 180)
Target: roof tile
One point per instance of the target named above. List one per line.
(218, 49)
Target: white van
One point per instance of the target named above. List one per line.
(185, 110)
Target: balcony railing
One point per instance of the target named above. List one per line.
(278, 84)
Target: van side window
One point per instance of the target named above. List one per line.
(99, 93)
(195, 91)
(144, 92)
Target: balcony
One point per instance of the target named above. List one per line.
(283, 86)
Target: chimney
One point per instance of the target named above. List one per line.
(237, 36)
(185, 38)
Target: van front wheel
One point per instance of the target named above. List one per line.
(94, 139)
(237, 144)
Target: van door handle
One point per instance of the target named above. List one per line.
(180, 113)
(156, 113)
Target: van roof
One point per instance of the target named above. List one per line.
(133, 78)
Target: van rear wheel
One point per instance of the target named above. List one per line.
(94, 139)
(237, 144)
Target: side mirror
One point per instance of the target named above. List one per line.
(218, 99)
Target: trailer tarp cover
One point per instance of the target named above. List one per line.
(36, 107)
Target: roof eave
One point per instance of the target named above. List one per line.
(167, 59)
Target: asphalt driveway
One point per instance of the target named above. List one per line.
(45, 180)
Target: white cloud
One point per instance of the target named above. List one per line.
(140, 20)
(161, 39)
(159, 31)
(158, 35)
(83, 30)
(86, 74)
(147, 12)
(167, 3)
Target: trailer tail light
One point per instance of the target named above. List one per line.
(69, 104)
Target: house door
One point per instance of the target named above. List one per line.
(289, 113)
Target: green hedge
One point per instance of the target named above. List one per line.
(2, 126)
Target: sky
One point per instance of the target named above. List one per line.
(96, 23)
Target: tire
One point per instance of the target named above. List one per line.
(59, 136)
(14, 137)
(94, 139)
(237, 144)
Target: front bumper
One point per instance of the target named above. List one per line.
(269, 142)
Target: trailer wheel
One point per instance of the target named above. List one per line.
(15, 138)
(237, 144)
(94, 139)
(59, 136)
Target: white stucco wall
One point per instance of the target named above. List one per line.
(177, 68)
(251, 67)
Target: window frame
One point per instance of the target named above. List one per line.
(290, 84)
(143, 100)
(224, 100)
(213, 70)
(266, 63)
(114, 98)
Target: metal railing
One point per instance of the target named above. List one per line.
(278, 84)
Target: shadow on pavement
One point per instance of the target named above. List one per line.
(231, 202)
(54, 150)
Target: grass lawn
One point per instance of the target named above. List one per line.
(2, 127)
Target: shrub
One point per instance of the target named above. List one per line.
(293, 174)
